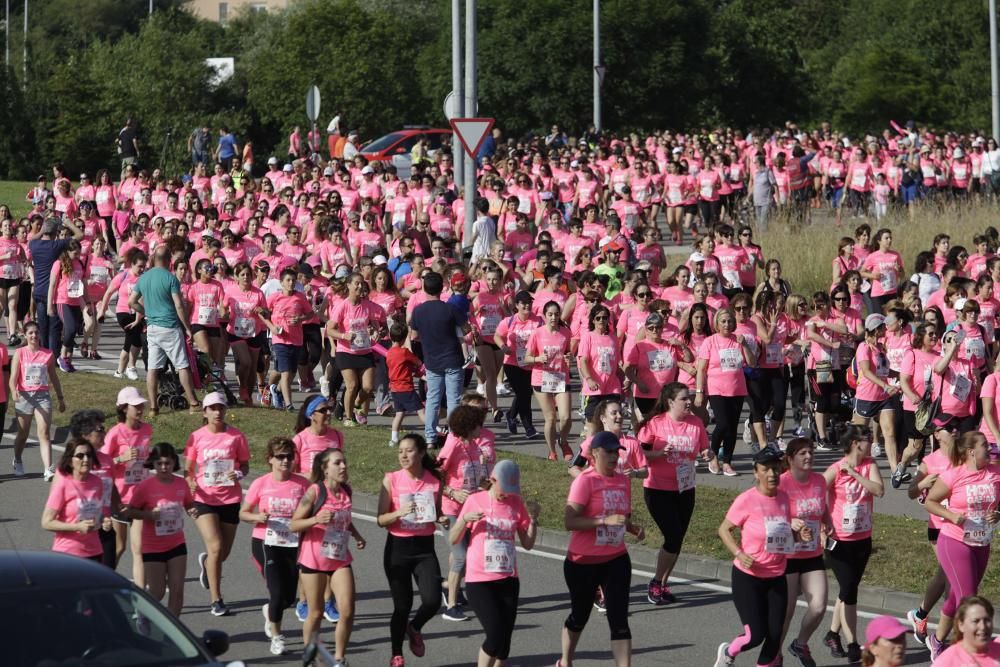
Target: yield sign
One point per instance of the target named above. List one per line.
(472, 131)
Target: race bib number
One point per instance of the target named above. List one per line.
(553, 382)
(171, 520)
(425, 512)
(98, 275)
(524, 205)
(473, 473)
(489, 324)
(207, 315)
(772, 354)
(610, 536)
(35, 376)
(977, 532)
(9, 271)
(360, 340)
(858, 179)
(685, 476)
(960, 387)
(135, 472)
(244, 327)
(520, 353)
(730, 360)
(888, 280)
(975, 348)
(604, 357)
(674, 195)
(779, 536)
(499, 556)
(857, 519)
(731, 277)
(706, 191)
(277, 533)
(88, 509)
(334, 545)
(659, 360)
(215, 472)
(74, 289)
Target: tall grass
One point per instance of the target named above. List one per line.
(807, 252)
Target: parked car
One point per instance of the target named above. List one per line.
(394, 148)
(59, 610)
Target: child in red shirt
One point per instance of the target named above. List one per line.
(402, 365)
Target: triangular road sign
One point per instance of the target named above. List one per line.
(471, 132)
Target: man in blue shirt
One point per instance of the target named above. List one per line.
(45, 251)
(439, 327)
(227, 149)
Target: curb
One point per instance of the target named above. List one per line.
(700, 569)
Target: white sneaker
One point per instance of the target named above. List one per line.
(18, 468)
(131, 373)
(481, 389)
(267, 621)
(876, 449)
(503, 390)
(748, 435)
(324, 387)
(721, 658)
(118, 375)
(278, 645)
(49, 473)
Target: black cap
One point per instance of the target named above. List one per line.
(606, 440)
(767, 455)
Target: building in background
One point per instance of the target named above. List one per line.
(223, 10)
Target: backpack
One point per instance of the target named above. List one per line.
(852, 373)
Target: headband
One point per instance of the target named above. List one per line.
(314, 404)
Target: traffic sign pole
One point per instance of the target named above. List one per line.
(471, 105)
(458, 160)
(312, 112)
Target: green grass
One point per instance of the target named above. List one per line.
(12, 193)
(902, 558)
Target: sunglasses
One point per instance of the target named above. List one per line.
(322, 411)
(83, 455)
(284, 457)
(841, 298)
(642, 295)
(740, 309)
(601, 318)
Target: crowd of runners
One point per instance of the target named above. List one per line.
(343, 278)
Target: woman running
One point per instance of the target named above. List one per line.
(492, 518)
(247, 327)
(853, 483)
(217, 457)
(672, 439)
(129, 320)
(269, 504)
(158, 504)
(598, 360)
(100, 268)
(768, 534)
(323, 518)
(598, 514)
(971, 487)
(548, 352)
(66, 290)
(32, 370)
(653, 362)
(511, 337)
(75, 510)
(409, 506)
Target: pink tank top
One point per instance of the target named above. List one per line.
(404, 489)
(326, 546)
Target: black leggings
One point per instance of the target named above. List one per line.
(279, 565)
(796, 378)
(405, 559)
(312, 346)
(615, 579)
(761, 606)
(727, 411)
(709, 211)
(767, 392)
(671, 510)
(133, 336)
(495, 604)
(878, 302)
(109, 554)
(828, 398)
(520, 383)
(72, 323)
(848, 561)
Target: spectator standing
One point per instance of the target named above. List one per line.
(163, 307)
(227, 150)
(45, 252)
(127, 143)
(198, 145)
(484, 231)
(440, 327)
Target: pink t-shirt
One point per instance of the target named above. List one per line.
(244, 322)
(466, 465)
(600, 496)
(33, 369)
(205, 299)
(75, 501)
(974, 493)
(877, 362)
(896, 346)
(554, 374)
(851, 506)
(118, 440)
(632, 458)
(889, 264)
(655, 364)
(807, 501)
(958, 394)
(989, 391)
(217, 454)
(600, 353)
(936, 463)
(765, 531)
(124, 282)
(516, 332)
(491, 554)
(687, 439)
(731, 260)
(283, 308)
(725, 366)
(917, 365)
(326, 546)
(957, 656)
(404, 489)
(973, 347)
(172, 499)
(355, 319)
(308, 445)
(69, 287)
(278, 499)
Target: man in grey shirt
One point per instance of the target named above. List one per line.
(763, 191)
(198, 144)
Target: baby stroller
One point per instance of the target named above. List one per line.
(206, 376)
(171, 391)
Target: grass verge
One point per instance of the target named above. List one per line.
(902, 558)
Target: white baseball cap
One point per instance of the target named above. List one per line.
(130, 396)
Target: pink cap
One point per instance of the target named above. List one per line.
(884, 626)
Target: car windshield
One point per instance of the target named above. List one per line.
(382, 143)
(103, 627)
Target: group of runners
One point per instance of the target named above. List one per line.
(320, 268)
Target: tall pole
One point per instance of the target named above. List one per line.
(470, 112)
(597, 63)
(24, 55)
(150, 7)
(458, 155)
(6, 37)
(993, 69)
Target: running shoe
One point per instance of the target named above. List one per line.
(362, 418)
(667, 596)
(219, 608)
(722, 658)
(897, 477)
(853, 652)
(748, 435)
(131, 373)
(18, 468)
(481, 389)
(498, 416)
(935, 646)
(729, 471)
(278, 645)
(203, 574)
(832, 642)
(350, 423)
(277, 400)
(800, 431)
(49, 473)
(118, 375)
(713, 467)
(324, 387)
(919, 625)
(503, 389)
(454, 614)
(330, 612)
(801, 651)
(654, 589)
(265, 395)
(599, 601)
(823, 445)
(267, 622)
(876, 449)
(302, 610)
(416, 641)
(511, 423)
(339, 663)
(530, 432)
(397, 661)
(64, 366)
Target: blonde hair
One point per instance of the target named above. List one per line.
(792, 305)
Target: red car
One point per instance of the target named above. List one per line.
(395, 147)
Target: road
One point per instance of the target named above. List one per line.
(684, 634)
